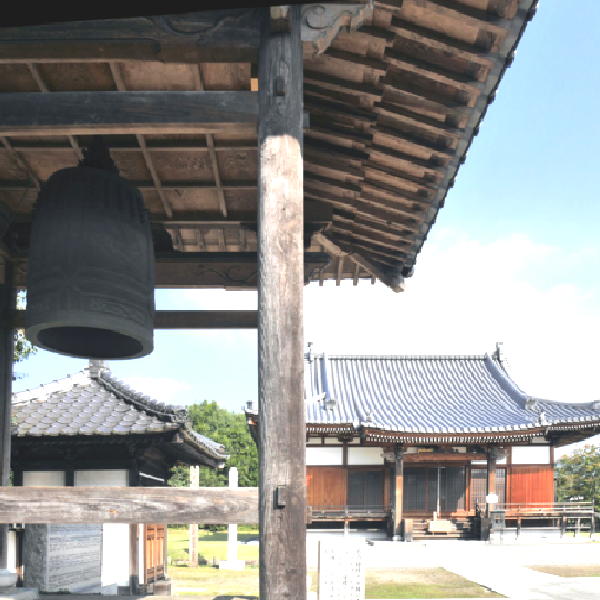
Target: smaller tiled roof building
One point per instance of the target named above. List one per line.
(90, 429)
(395, 437)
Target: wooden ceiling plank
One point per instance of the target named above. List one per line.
(115, 70)
(79, 113)
(199, 84)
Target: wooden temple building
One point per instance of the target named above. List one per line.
(273, 147)
(422, 440)
(92, 430)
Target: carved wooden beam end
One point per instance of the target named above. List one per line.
(322, 23)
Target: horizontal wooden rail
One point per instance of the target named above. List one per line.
(172, 505)
(186, 319)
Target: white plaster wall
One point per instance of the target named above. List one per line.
(12, 552)
(115, 536)
(530, 455)
(324, 456)
(365, 456)
(43, 478)
(332, 442)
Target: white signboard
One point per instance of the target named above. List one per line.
(341, 570)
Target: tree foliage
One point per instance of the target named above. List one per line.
(229, 429)
(579, 476)
(22, 348)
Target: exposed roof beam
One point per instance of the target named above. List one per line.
(78, 113)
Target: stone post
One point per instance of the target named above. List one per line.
(232, 563)
(194, 483)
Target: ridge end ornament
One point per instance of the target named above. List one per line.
(322, 23)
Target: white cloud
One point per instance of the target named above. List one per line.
(163, 389)
(465, 296)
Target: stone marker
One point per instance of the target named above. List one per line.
(341, 570)
(232, 563)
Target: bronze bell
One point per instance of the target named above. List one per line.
(90, 279)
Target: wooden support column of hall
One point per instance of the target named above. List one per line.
(398, 495)
(282, 429)
(8, 302)
(492, 459)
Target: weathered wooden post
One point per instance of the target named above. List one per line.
(8, 302)
(398, 491)
(281, 429)
(194, 483)
(492, 458)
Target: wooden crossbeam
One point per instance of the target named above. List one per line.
(87, 113)
(186, 319)
(172, 505)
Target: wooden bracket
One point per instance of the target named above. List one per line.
(322, 23)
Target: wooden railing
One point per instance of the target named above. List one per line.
(349, 511)
(172, 505)
(563, 508)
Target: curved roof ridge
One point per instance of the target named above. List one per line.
(505, 382)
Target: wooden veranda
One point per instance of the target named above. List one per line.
(274, 147)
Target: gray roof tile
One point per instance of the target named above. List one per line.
(426, 394)
(100, 405)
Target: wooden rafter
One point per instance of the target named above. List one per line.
(210, 142)
(115, 69)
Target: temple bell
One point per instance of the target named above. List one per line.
(90, 279)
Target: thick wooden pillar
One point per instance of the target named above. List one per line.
(398, 494)
(492, 458)
(282, 427)
(194, 483)
(8, 302)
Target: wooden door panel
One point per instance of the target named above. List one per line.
(531, 484)
(325, 486)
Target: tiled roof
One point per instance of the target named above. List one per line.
(427, 394)
(92, 402)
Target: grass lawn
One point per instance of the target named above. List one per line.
(570, 571)
(206, 582)
(209, 545)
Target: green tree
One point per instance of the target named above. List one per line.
(579, 475)
(229, 429)
(22, 348)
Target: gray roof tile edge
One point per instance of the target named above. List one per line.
(174, 417)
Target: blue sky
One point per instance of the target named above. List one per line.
(514, 255)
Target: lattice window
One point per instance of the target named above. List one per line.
(478, 486)
(365, 488)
